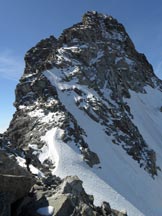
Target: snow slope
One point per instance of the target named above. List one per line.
(119, 180)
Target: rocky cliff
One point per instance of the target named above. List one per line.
(76, 110)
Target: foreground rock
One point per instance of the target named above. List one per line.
(15, 183)
(65, 197)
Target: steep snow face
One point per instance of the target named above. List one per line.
(147, 113)
(118, 178)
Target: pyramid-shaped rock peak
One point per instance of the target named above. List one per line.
(89, 104)
(96, 53)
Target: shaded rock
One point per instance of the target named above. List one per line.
(91, 158)
(14, 179)
(62, 205)
(5, 206)
(119, 213)
(86, 210)
(124, 213)
(17, 186)
(106, 209)
(71, 184)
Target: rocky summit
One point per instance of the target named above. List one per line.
(88, 120)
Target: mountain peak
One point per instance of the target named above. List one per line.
(94, 18)
(96, 53)
(89, 104)
(98, 26)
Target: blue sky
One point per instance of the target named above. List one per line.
(24, 23)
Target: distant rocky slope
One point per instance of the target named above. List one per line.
(80, 88)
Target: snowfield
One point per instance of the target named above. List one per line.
(118, 179)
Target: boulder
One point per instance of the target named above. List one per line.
(106, 209)
(71, 184)
(62, 205)
(16, 186)
(91, 158)
(86, 210)
(14, 180)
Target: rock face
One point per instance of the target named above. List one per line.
(95, 66)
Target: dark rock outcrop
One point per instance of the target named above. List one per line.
(90, 157)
